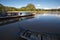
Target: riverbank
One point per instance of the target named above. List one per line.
(36, 12)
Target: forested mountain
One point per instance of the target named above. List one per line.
(29, 7)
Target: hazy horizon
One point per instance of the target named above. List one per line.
(41, 4)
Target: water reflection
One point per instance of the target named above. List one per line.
(38, 27)
(46, 27)
(8, 21)
(10, 28)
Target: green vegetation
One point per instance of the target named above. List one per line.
(29, 7)
(2, 10)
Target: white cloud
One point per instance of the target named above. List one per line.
(47, 8)
(52, 8)
(38, 6)
(58, 7)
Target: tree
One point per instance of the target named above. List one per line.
(2, 10)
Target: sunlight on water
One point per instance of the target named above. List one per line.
(47, 15)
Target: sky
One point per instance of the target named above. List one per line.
(43, 4)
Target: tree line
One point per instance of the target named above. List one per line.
(29, 7)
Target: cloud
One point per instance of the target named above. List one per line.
(47, 8)
(38, 6)
(58, 7)
(52, 8)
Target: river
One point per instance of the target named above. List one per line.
(40, 23)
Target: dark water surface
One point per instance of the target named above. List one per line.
(39, 23)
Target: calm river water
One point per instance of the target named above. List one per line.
(40, 23)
